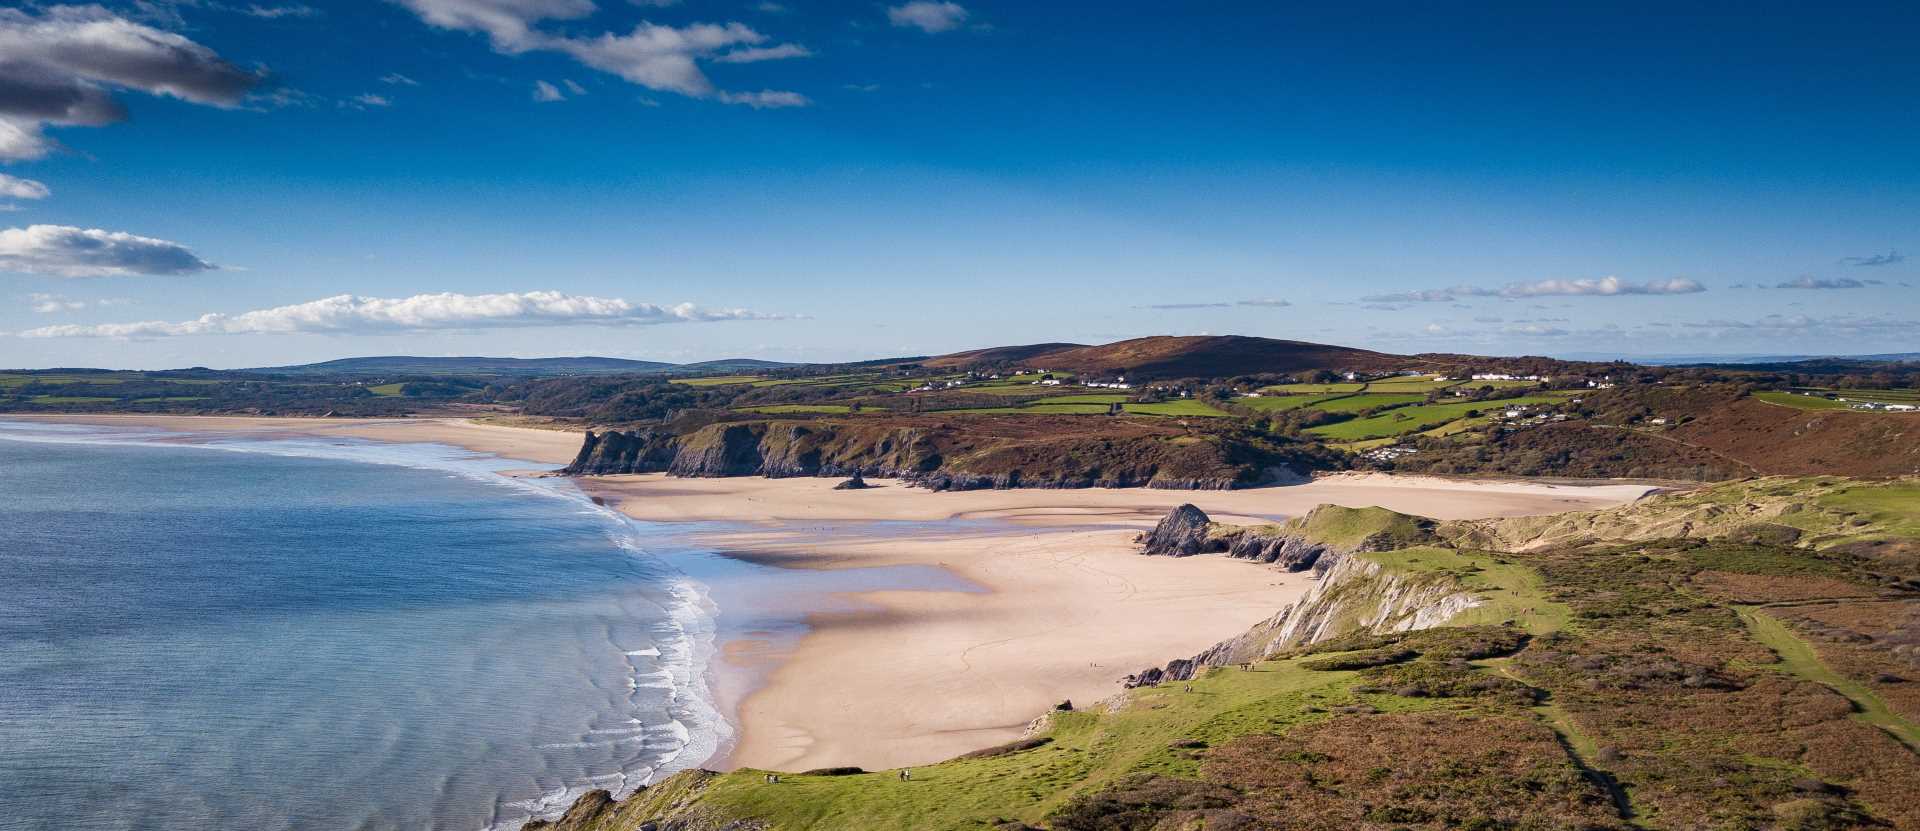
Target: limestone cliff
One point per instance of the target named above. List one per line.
(935, 455)
(1355, 594)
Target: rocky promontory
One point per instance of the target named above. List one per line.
(958, 454)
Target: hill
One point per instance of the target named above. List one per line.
(1169, 356)
(586, 365)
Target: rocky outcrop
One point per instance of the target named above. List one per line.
(1183, 532)
(1310, 542)
(1355, 595)
(853, 483)
(935, 456)
(612, 452)
(668, 805)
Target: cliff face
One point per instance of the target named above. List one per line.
(1355, 595)
(937, 456)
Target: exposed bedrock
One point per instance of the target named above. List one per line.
(931, 457)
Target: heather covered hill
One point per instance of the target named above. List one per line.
(1168, 356)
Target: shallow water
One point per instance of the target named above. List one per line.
(237, 631)
(291, 637)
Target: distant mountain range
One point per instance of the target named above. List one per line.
(408, 365)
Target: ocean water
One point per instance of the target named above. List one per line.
(327, 634)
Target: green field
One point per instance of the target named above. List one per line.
(70, 399)
(1314, 389)
(388, 389)
(1413, 419)
(16, 380)
(1182, 407)
(1368, 400)
(719, 381)
(1816, 402)
(778, 409)
(1412, 383)
(1282, 403)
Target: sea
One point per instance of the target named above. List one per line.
(327, 633)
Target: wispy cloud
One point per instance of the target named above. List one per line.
(12, 187)
(57, 68)
(66, 251)
(349, 314)
(277, 12)
(398, 79)
(660, 58)
(46, 304)
(1268, 303)
(545, 92)
(756, 54)
(1808, 281)
(1889, 258)
(928, 16)
(1587, 287)
(367, 100)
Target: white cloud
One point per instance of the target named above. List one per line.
(572, 87)
(348, 314)
(508, 23)
(398, 79)
(66, 251)
(766, 99)
(47, 304)
(277, 12)
(1806, 281)
(756, 54)
(545, 92)
(928, 16)
(660, 58)
(12, 187)
(367, 99)
(1602, 287)
(60, 68)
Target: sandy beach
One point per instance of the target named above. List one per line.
(1069, 606)
(1064, 608)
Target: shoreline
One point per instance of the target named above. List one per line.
(897, 676)
(917, 677)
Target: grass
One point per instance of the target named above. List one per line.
(1086, 398)
(1890, 506)
(1314, 389)
(18, 380)
(719, 381)
(1412, 383)
(71, 399)
(777, 409)
(1088, 753)
(1367, 401)
(1507, 589)
(1282, 403)
(1798, 658)
(1414, 419)
(1814, 402)
(388, 389)
(1182, 407)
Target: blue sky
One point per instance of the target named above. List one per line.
(228, 183)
